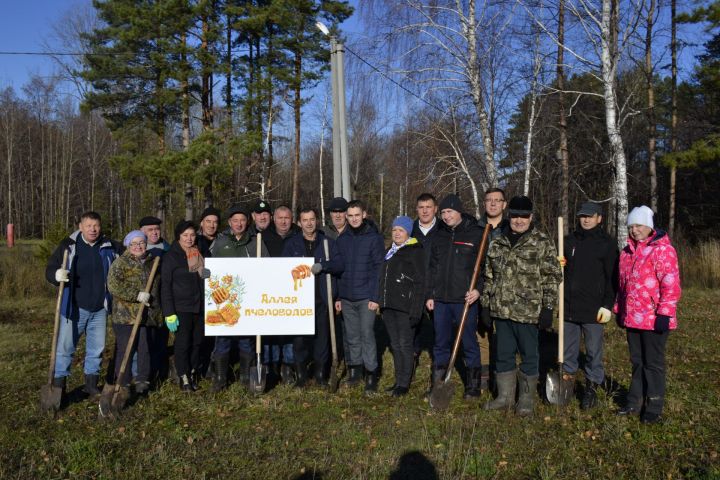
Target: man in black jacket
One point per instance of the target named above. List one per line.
(590, 273)
(454, 250)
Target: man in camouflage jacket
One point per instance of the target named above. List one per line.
(522, 274)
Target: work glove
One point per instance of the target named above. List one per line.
(62, 275)
(316, 268)
(662, 323)
(204, 273)
(486, 319)
(545, 319)
(172, 323)
(603, 315)
(562, 260)
(144, 298)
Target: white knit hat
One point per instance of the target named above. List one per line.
(641, 215)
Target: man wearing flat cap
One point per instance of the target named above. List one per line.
(590, 258)
(209, 224)
(338, 218)
(521, 287)
(150, 226)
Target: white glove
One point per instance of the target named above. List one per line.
(144, 298)
(316, 268)
(62, 275)
(603, 315)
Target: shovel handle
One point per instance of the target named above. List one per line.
(56, 328)
(136, 325)
(466, 308)
(258, 338)
(331, 307)
(561, 297)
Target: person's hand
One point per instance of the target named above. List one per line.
(172, 323)
(562, 260)
(144, 298)
(204, 273)
(603, 315)
(545, 319)
(662, 323)
(373, 306)
(486, 319)
(338, 305)
(62, 275)
(472, 296)
(316, 268)
(430, 304)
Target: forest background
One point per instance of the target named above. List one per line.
(169, 106)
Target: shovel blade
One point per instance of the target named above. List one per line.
(258, 374)
(112, 401)
(50, 398)
(334, 380)
(555, 389)
(441, 395)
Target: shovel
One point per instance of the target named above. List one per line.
(50, 396)
(444, 389)
(114, 397)
(555, 389)
(334, 377)
(257, 377)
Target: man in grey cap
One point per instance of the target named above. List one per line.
(590, 260)
(338, 218)
(150, 226)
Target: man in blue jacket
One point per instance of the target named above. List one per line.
(85, 299)
(311, 244)
(362, 249)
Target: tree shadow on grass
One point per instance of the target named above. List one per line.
(413, 465)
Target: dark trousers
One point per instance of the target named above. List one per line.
(157, 338)
(320, 342)
(446, 316)
(593, 334)
(140, 345)
(401, 336)
(512, 338)
(223, 345)
(188, 340)
(647, 355)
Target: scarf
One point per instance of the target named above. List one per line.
(395, 247)
(196, 262)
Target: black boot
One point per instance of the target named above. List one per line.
(220, 368)
(91, 387)
(319, 375)
(354, 375)
(286, 374)
(400, 391)
(485, 377)
(472, 385)
(526, 398)
(589, 399)
(274, 373)
(438, 373)
(243, 377)
(300, 374)
(371, 382)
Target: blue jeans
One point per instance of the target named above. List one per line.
(271, 352)
(93, 325)
(224, 344)
(446, 316)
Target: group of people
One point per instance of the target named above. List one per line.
(420, 284)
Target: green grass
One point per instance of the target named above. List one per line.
(289, 433)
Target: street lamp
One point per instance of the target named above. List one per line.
(341, 158)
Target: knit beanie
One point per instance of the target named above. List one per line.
(134, 234)
(406, 223)
(641, 215)
(452, 202)
(182, 226)
(210, 211)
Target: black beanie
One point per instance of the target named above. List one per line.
(453, 202)
(182, 226)
(520, 205)
(210, 211)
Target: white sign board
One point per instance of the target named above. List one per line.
(260, 296)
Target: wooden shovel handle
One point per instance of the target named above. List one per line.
(136, 325)
(56, 328)
(331, 307)
(466, 309)
(258, 254)
(561, 295)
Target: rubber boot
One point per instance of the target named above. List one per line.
(243, 377)
(220, 368)
(301, 375)
(286, 374)
(589, 399)
(319, 375)
(506, 382)
(485, 378)
(438, 373)
(472, 384)
(274, 373)
(354, 375)
(91, 387)
(526, 400)
(195, 379)
(371, 382)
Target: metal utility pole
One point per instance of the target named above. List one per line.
(337, 165)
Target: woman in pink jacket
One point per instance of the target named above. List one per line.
(648, 293)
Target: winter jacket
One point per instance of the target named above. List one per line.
(402, 280)
(331, 232)
(590, 274)
(295, 247)
(109, 250)
(425, 239)
(226, 245)
(495, 232)
(523, 279)
(454, 252)
(158, 249)
(362, 251)
(649, 282)
(127, 277)
(180, 289)
(204, 244)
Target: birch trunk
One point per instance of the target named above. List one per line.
(562, 120)
(673, 115)
(652, 164)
